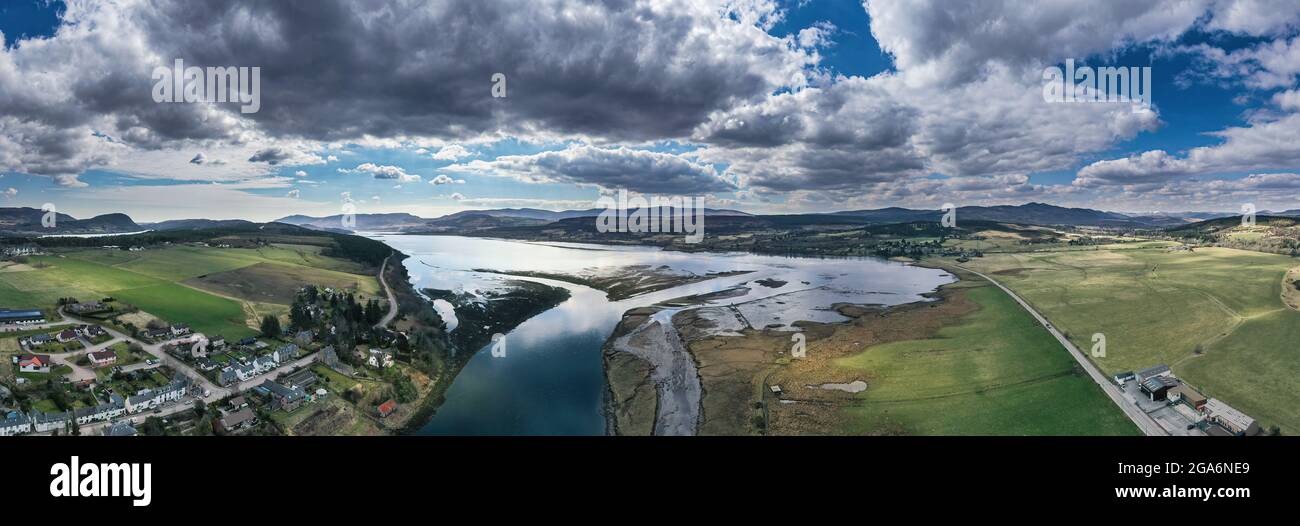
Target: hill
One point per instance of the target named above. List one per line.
(27, 221)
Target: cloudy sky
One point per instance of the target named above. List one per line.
(760, 105)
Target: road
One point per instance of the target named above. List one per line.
(392, 299)
(215, 392)
(1143, 421)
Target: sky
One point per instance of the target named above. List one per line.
(766, 106)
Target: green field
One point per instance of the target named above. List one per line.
(166, 282)
(995, 372)
(1157, 306)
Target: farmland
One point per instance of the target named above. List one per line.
(214, 290)
(1215, 315)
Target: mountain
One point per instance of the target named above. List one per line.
(471, 219)
(27, 221)
(372, 222)
(195, 224)
(1029, 213)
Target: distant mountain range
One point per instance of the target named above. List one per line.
(27, 221)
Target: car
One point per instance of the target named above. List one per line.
(1191, 427)
(150, 362)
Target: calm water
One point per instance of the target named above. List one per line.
(550, 382)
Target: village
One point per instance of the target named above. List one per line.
(70, 376)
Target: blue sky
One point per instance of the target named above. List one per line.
(780, 107)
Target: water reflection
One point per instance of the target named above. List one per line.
(551, 380)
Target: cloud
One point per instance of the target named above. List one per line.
(293, 194)
(384, 172)
(10, 193)
(199, 159)
(636, 170)
(442, 179)
(452, 152)
(276, 155)
(457, 196)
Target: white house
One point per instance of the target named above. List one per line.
(15, 423)
(380, 358)
(153, 398)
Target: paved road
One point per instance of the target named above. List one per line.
(392, 299)
(1143, 421)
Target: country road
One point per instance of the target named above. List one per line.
(392, 299)
(1143, 421)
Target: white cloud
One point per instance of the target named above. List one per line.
(442, 179)
(452, 152)
(384, 172)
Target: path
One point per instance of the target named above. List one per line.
(1143, 421)
(392, 299)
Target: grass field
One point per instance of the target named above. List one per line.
(1157, 306)
(994, 372)
(240, 284)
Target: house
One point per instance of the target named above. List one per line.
(35, 340)
(103, 358)
(238, 402)
(330, 358)
(115, 407)
(1157, 387)
(1231, 419)
(91, 331)
(303, 338)
(227, 376)
(1155, 370)
(301, 379)
(236, 420)
(246, 371)
(217, 343)
(26, 249)
(152, 398)
(205, 364)
(387, 408)
(68, 335)
(45, 422)
(1185, 394)
(87, 307)
(34, 363)
(15, 423)
(1124, 377)
(286, 353)
(380, 358)
(283, 397)
(22, 316)
(264, 363)
(248, 341)
(180, 329)
(120, 429)
(158, 334)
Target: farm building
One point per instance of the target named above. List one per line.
(1157, 387)
(22, 317)
(1153, 371)
(1231, 419)
(1185, 394)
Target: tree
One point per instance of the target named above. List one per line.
(153, 426)
(200, 409)
(270, 326)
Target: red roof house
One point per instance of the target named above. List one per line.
(387, 408)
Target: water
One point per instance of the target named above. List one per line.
(551, 381)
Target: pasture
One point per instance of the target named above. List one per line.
(1215, 315)
(994, 371)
